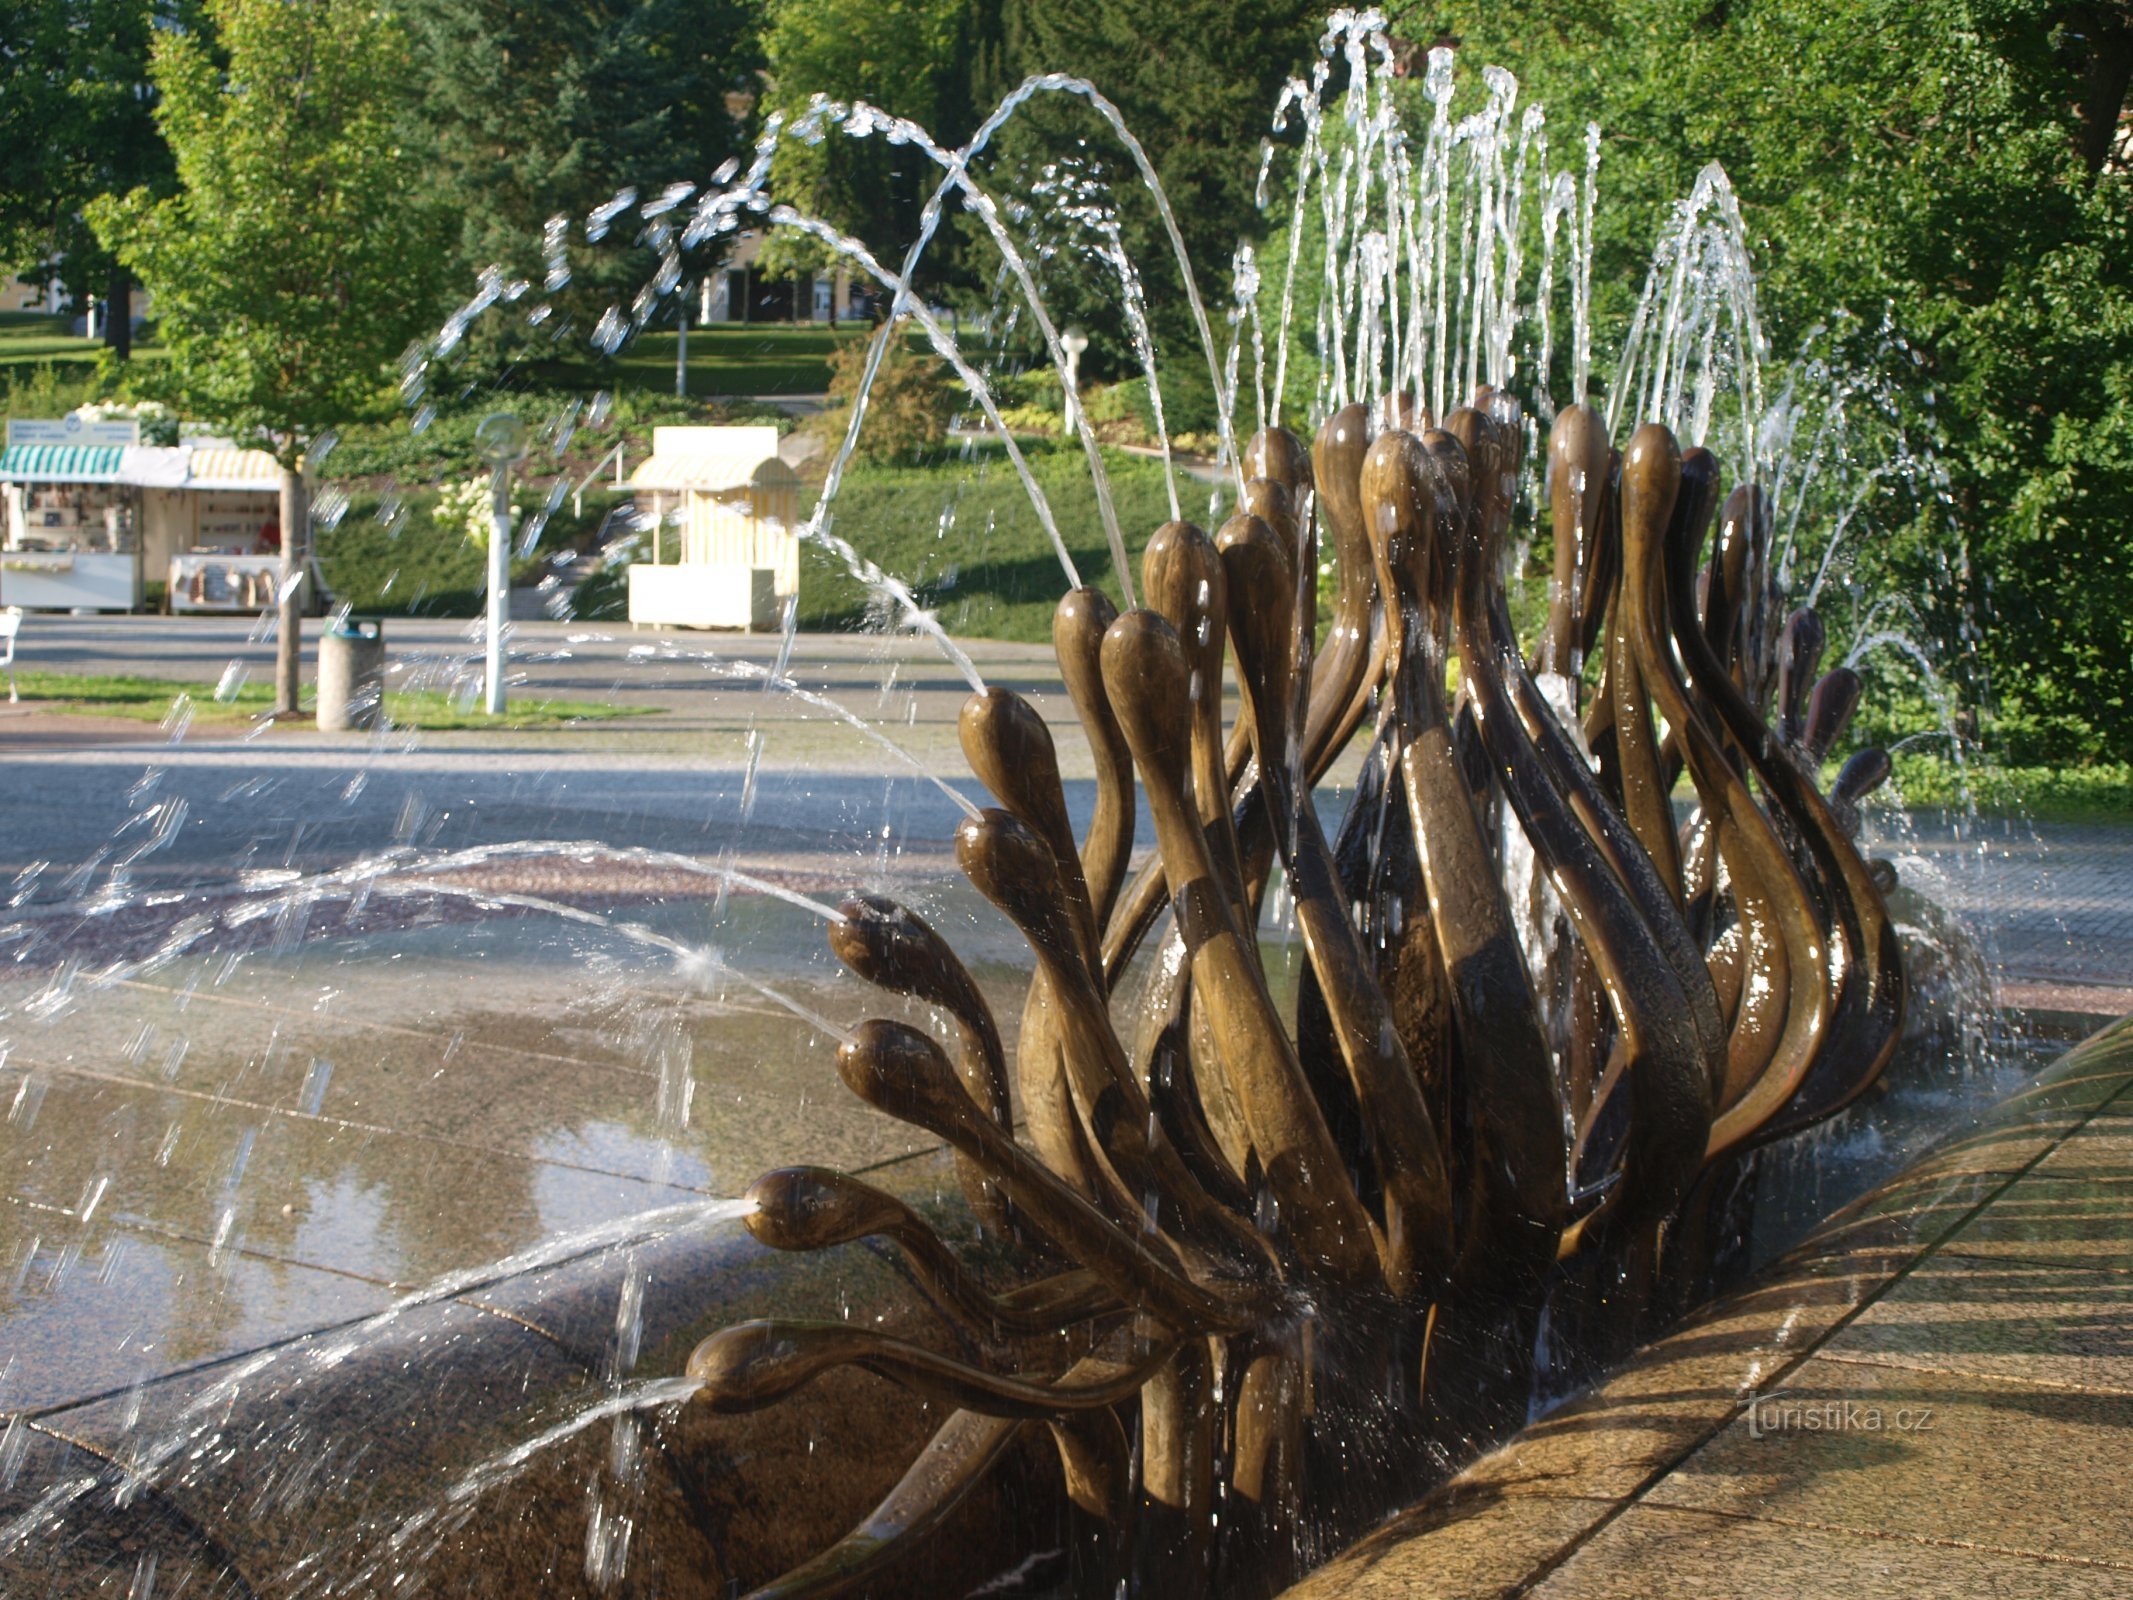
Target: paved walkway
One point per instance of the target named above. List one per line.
(2053, 901)
(1932, 1396)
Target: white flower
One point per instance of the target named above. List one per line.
(468, 507)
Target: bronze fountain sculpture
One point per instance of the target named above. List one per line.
(1269, 1273)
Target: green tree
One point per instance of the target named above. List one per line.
(77, 120)
(527, 111)
(1958, 168)
(905, 57)
(1196, 82)
(908, 409)
(298, 257)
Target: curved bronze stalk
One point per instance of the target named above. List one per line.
(1174, 1055)
(1274, 616)
(1352, 658)
(1799, 656)
(1177, 1414)
(1403, 1139)
(1047, 1103)
(1175, 1044)
(1182, 580)
(901, 1071)
(1144, 666)
(1268, 1427)
(1010, 750)
(755, 1364)
(1864, 772)
(1178, 1471)
(1647, 786)
(1278, 454)
(1169, 1022)
(1862, 1032)
(1274, 506)
(813, 1208)
(892, 948)
(1013, 869)
(1732, 622)
(1342, 674)
(1077, 638)
(1507, 1077)
(1565, 769)
(1829, 712)
(1096, 1465)
(1660, 551)
(1665, 1064)
(956, 1460)
(1579, 463)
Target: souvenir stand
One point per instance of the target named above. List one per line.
(724, 543)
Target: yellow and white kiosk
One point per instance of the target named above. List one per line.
(222, 543)
(725, 522)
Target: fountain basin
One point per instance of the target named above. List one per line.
(329, 1463)
(347, 1461)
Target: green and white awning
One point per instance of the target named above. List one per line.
(63, 463)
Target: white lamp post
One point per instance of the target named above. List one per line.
(1073, 341)
(501, 439)
(681, 346)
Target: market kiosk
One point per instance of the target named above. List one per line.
(724, 512)
(94, 517)
(73, 517)
(225, 546)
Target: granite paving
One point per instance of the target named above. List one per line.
(1932, 1396)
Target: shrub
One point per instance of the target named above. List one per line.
(908, 410)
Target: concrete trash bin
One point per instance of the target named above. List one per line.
(351, 676)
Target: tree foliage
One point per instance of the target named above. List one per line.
(298, 255)
(905, 57)
(909, 406)
(1196, 84)
(1956, 169)
(77, 120)
(526, 111)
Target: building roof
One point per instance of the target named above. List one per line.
(712, 458)
(149, 466)
(224, 468)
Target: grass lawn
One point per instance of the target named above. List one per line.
(763, 358)
(29, 339)
(2101, 793)
(963, 535)
(156, 699)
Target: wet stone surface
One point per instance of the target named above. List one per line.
(1932, 1396)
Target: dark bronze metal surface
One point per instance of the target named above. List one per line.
(1267, 1276)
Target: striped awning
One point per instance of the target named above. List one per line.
(222, 468)
(62, 463)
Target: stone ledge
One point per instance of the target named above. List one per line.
(1928, 1395)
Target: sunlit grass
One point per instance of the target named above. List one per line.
(157, 700)
(2099, 793)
